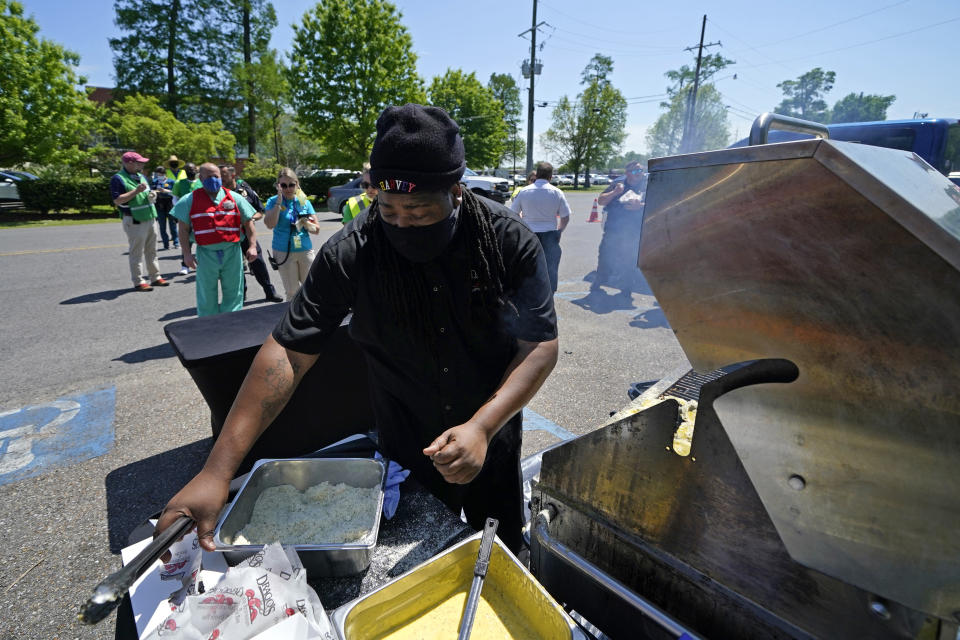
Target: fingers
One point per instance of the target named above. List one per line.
(436, 445)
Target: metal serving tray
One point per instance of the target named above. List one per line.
(320, 560)
(508, 587)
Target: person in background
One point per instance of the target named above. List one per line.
(452, 308)
(162, 186)
(292, 219)
(541, 205)
(130, 192)
(620, 244)
(531, 178)
(257, 266)
(363, 200)
(218, 218)
(174, 169)
(182, 187)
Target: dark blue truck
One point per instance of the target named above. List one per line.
(936, 140)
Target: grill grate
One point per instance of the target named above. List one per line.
(688, 387)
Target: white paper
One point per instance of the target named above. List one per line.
(148, 595)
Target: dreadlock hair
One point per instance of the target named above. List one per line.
(403, 286)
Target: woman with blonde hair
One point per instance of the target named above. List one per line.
(292, 219)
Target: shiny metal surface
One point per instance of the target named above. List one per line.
(320, 560)
(688, 534)
(845, 260)
(508, 584)
(589, 572)
(766, 121)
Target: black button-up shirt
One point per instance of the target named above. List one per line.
(418, 392)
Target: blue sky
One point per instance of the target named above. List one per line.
(898, 47)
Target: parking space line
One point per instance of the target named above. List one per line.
(24, 253)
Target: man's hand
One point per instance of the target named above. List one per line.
(251, 252)
(191, 262)
(141, 188)
(202, 499)
(458, 453)
(633, 205)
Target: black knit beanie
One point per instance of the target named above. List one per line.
(417, 148)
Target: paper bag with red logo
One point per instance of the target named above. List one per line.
(252, 597)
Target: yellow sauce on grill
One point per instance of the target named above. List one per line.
(443, 621)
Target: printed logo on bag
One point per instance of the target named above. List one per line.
(167, 627)
(214, 635)
(268, 604)
(302, 606)
(255, 560)
(253, 604)
(219, 599)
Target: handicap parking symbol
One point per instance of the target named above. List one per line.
(59, 433)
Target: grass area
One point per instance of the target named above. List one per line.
(21, 218)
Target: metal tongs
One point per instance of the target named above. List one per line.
(479, 573)
(108, 594)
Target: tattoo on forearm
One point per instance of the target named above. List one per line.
(280, 379)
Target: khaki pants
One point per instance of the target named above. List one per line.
(143, 247)
(294, 270)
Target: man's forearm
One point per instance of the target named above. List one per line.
(268, 386)
(251, 232)
(523, 378)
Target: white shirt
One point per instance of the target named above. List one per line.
(539, 204)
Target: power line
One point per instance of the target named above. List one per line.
(860, 44)
(615, 42)
(829, 26)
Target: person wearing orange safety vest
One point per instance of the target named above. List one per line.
(361, 201)
(217, 219)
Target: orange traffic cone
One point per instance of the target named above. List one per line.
(594, 216)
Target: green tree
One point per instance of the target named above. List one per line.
(861, 108)
(477, 111)
(682, 79)
(350, 60)
(46, 116)
(804, 96)
(139, 122)
(619, 162)
(269, 100)
(185, 53)
(711, 129)
(507, 91)
(162, 51)
(586, 132)
(254, 21)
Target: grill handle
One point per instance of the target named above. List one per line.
(765, 121)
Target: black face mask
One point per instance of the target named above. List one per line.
(422, 244)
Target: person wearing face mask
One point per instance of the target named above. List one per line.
(359, 202)
(184, 186)
(292, 219)
(453, 309)
(619, 247)
(217, 219)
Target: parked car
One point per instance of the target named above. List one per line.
(8, 184)
(597, 179)
(338, 196)
(497, 189)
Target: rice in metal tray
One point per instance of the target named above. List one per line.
(325, 513)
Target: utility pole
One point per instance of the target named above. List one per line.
(687, 140)
(533, 70)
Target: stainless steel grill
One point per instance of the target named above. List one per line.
(818, 284)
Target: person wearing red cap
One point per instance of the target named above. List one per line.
(132, 196)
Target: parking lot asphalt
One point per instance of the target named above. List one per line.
(76, 338)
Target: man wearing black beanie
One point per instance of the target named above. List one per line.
(453, 308)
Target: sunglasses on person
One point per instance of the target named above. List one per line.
(284, 185)
(636, 171)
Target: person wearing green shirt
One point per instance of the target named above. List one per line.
(131, 194)
(361, 201)
(217, 218)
